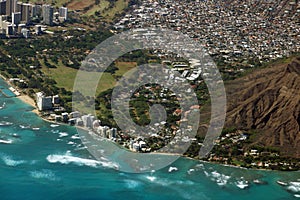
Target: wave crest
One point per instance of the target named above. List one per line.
(9, 161)
(69, 159)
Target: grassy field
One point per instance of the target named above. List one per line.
(100, 7)
(120, 5)
(105, 11)
(124, 67)
(65, 77)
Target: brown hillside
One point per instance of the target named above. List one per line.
(268, 100)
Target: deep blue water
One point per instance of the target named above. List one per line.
(46, 161)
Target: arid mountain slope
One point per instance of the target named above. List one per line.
(268, 101)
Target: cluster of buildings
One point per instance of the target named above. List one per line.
(87, 121)
(229, 30)
(139, 145)
(49, 103)
(271, 159)
(45, 103)
(16, 17)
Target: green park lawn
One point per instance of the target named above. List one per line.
(65, 77)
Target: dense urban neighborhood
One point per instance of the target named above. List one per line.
(20, 19)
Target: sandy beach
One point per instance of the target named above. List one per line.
(25, 98)
(29, 101)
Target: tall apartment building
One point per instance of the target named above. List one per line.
(48, 14)
(11, 6)
(43, 102)
(2, 7)
(16, 18)
(33, 10)
(25, 12)
(24, 8)
(63, 13)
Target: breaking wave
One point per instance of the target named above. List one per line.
(220, 179)
(69, 159)
(9, 161)
(294, 187)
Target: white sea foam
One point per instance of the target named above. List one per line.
(297, 184)
(75, 137)
(190, 171)
(151, 178)
(33, 162)
(132, 184)
(9, 161)
(80, 148)
(69, 159)
(23, 126)
(71, 143)
(44, 174)
(54, 131)
(167, 182)
(172, 169)
(242, 184)
(35, 129)
(54, 125)
(294, 186)
(297, 195)
(63, 134)
(5, 123)
(220, 179)
(206, 173)
(187, 182)
(6, 141)
(3, 106)
(201, 166)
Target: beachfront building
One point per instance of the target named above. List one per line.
(75, 114)
(43, 102)
(102, 130)
(88, 120)
(55, 100)
(112, 133)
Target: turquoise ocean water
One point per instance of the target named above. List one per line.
(40, 160)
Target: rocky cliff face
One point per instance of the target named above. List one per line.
(268, 101)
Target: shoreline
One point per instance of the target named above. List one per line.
(23, 97)
(31, 102)
(28, 100)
